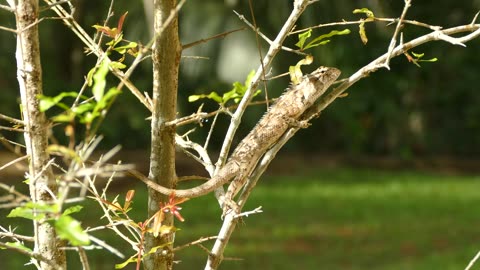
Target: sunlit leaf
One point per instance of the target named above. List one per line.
(132, 259)
(70, 229)
(193, 98)
(128, 199)
(121, 21)
(25, 212)
(320, 40)
(302, 37)
(418, 55)
(362, 32)
(125, 48)
(118, 65)
(63, 151)
(17, 245)
(111, 32)
(33, 211)
(295, 71)
(72, 209)
(365, 11)
(100, 82)
(48, 102)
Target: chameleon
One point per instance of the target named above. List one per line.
(285, 112)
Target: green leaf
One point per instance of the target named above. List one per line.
(125, 48)
(295, 71)
(194, 98)
(366, 11)
(90, 76)
(236, 93)
(48, 102)
(429, 60)
(65, 117)
(103, 103)
(302, 37)
(132, 259)
(89, 117)
(215, 97)
(319, 40)
(118, 65)
(362, 32)
(84, 107)
(100, 81)
(72, 209)
(27, 210)
(69, 229)
(17, 245)
(418, 55)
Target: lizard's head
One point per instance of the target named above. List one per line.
(325, 74)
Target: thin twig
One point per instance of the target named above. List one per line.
(11, 119)
(13, 162)
(83, 258)
(390, 20)
(196, 242)
(12, 129)
(16, 236)
(393, 41)
(7, 8)
(221, 35)
(285, 48)
(400, 49)
(23, 251)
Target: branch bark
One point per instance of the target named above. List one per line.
(166, 59)
(42, 181)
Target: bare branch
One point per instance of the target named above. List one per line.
(390, 20)
(400, 49)
(13, 162)
(193, 243)
(393, 41)
(31, 254)
(15, 236)
(7, 8)
(11, 119)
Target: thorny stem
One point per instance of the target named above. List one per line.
(230, 219)
(217, 251)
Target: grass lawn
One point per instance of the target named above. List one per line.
(334, 219)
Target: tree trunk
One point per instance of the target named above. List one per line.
(166, 59)
(42, 181)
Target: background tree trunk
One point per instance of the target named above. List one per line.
(42, 182)
(166, 59)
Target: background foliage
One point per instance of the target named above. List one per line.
(432, 110)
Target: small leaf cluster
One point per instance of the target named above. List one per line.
(67, 227)
(416, 58)
(320, 40)
(236, 94)
(117, 36)
(361, 26)
(90, 108)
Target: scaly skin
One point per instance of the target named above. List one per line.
(287, 109)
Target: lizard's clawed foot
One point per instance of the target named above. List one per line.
(296, 123)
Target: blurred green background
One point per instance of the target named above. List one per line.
(317, 216)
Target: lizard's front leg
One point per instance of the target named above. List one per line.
(292, 122)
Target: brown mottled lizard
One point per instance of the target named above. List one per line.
(284, 113)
